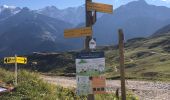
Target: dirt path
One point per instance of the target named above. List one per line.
(145, 90)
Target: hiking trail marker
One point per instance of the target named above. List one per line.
(9, 60)
(12, 60)
(71, 33)
(15, 60)
(83, 79)
(21, 60)
(99, 7)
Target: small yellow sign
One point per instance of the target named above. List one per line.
(105, 8)
(21, 60)
(11, 60)
(70, 33)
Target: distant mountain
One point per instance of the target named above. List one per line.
(7, 11)
(137, 19)
(73, 15)
(27, 32)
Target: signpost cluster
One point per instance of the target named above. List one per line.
(90, 65)
(15, 60)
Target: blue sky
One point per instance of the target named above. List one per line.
(36, 4)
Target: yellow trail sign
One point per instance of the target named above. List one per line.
(12, 60)
(9, 60)
(99, 7)
(70, 33)
(21, 60)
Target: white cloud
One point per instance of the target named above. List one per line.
(166, 0)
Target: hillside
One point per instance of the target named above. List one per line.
(146, 58)
(162, 31)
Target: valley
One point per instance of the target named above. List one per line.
(69, 53)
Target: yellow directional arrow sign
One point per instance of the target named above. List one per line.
(21, 60)
(12, 60)
(9, 60)
(99, 7)
(70, 33)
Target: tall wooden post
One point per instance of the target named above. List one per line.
(122, 69)
(89, 23)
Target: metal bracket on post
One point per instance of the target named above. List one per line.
(94, 17)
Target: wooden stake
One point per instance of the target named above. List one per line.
(16, 71)
(122, 70)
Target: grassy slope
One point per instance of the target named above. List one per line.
(145, 59)
(30, 87)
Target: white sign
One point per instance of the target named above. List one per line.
(90, 63)
(92, 44)
(83, 85)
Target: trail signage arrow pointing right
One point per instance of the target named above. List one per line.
(105, 8)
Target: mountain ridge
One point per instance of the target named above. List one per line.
(136, 22)
(44, 32)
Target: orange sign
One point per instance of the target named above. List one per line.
(70, 33)
(99, 84)
(99, 7)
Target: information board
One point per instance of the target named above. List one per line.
(89, 65)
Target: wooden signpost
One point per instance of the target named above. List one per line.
(90, 9)
(12, 60)
(15, 60)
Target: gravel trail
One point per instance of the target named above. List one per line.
(143, 89)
